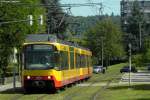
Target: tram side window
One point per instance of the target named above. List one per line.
(72, 60)
(86, 58)
(90, 61)
(64, 60)
(83, 61)
(78, 60)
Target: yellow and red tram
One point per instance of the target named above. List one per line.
(53, 64)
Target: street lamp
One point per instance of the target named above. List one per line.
(130, 46)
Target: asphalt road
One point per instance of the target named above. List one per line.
(139, 77)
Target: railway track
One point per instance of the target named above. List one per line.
(76, 92)
(71, 94)
(17, 97)
(42, 97)
(96, 94)
(48, 94)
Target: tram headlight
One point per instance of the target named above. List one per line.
(49, 77)
(28, 77)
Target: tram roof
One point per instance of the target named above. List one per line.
(49, 38)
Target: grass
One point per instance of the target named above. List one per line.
(136, 92)
(112, 73)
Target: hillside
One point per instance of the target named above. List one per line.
(81, 24)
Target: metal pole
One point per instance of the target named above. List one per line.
(102, 50)
(130, 64)
(140, 34)
(3, 76)
(14, 79)
(48, 28)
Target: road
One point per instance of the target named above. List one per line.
(139, 77)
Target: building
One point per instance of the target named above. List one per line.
(126, 8)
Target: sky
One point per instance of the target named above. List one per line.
(109, 7)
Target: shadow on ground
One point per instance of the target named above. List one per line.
(12, 91)
(134, 87)
(21, 91)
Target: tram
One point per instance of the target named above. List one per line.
(47, 63)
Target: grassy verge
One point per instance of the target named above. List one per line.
(144, 68)
(124, 92)
(136, 92)
(112, 73)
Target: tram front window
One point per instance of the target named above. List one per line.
(39, 57)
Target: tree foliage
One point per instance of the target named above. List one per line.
(138, 60)
(56, 18)
(12, 34)
(111, 36)
(143, 59)
(80, 24)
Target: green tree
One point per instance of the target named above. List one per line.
(138, 60)
(143, 58)
(111, 36)
(147, 56)
(12, 34)
(56, 18)
(146, 51)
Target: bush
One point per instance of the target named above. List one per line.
(10, 69)
(147, 56)
(138, 60)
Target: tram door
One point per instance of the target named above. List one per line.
(64, 65)
(76, 63)
(87, 60)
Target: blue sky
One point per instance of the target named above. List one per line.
(109, 7)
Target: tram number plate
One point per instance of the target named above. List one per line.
(38, 78)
